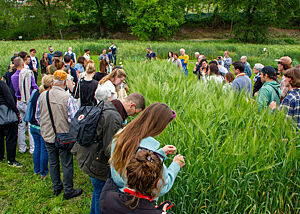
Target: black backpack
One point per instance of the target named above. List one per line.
(84, 123)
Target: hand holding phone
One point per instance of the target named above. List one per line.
(166, 205)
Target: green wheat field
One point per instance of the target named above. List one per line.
(238, 160)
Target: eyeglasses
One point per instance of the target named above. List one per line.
(161, 157)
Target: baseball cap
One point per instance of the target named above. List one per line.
(269, 70)
(286, 60)
(60, 75)
(58, 54)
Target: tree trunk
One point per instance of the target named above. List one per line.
(99, 4)
(231, 27)
(188, 8)
(59, 28)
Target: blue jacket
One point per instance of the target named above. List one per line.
(74, 74)
(37, 64)
(49, 57)
(79, 67)
(248, 70)
(31, 108)
(169, 173)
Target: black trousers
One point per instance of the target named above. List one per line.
(66, 159)
(10, 132)
(36, 76)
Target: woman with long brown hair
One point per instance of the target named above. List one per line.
(44, 63)
(144, 174)
(139, 135)
(112, 81)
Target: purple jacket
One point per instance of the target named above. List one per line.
(15, 83)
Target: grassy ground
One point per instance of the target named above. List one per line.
(22, 191)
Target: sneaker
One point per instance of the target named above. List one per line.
(15, 164)
(73, 194)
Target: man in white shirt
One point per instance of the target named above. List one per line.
(87, 54)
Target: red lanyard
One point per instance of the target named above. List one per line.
(133, 193)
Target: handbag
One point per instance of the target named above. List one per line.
(7, 116)
(62, 141)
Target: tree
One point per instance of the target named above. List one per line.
(154, 19)
(252, 18)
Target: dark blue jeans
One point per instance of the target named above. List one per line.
(98, 185)
(115, 59)
(40, 155)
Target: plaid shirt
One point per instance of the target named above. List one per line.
(291, 104)
(71, 105)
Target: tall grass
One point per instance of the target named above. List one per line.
(236, 160)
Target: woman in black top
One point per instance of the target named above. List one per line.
(10, 131)
(257, 79)
(86, 87)
(144, 175)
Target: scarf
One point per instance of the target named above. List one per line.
(25, 84)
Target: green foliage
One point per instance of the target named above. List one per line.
(155, 19)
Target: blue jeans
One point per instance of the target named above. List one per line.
(98, 185)
(40, 155)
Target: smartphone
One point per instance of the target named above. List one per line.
(161, 206)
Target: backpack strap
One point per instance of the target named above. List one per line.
(50, 112)
(276, 91)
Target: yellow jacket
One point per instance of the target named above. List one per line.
(186, 60)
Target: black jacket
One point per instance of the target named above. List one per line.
(257, 85)
(6, 97)
(114, 203)
(92, 160)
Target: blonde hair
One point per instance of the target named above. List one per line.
(90, 67)
(47, 82)
(116, 73)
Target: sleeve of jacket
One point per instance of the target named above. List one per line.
(8, 97)
(30, 65)
(169, 175)
(235, 86)
(110, 127)
(262, 98)
(37, 63)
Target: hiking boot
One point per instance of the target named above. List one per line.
(57, 192)
(73, 194)
(15, 164)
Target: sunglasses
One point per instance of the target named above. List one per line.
(161, 157)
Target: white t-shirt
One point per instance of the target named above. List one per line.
(87, 57)
(34, 62)
(111, 87)
(222, 69)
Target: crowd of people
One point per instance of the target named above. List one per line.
(124, 161)
(271, 85)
